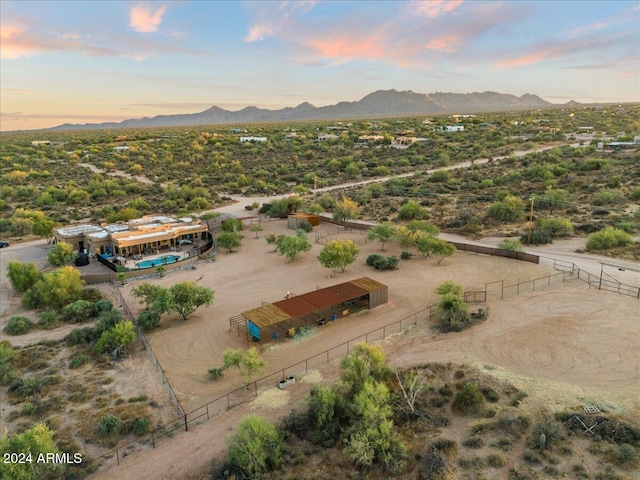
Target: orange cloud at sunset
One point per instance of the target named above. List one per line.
(143, 19)
(448, 43)
(349, 48)
(15, 43)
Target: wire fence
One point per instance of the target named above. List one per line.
(244, 394)
(251, 390)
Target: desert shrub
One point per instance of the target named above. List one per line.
(78, 359)
(473, 442)
(625, 455)
(141, 426)
(148, 320)
(102, 306)
(306, 226)
(608, 197)
(469, 400)
(216, 373)
(77, 312)
(296, 423)
(28, 408)
(511, 245)
(412, 210)
(552, 430)
(557, 227)
(8, 357)
(406, 255)
(382, 263)
(592, 164)
(256, 447)
(109, 425)
(635, 194)
(28, 386)
(495, 460)
(508, 210)
(538, 236)
(18, 326)
(517, 398)
(628, 227)
(48, 319)
(490, 394)
(107, 320)
(608, 238)
(436, 467)
(81, 336)
(91, 294)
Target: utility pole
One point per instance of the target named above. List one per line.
(315, 187)
(530, 221)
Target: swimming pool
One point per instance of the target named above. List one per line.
(164, 260)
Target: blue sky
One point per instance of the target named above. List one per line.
(98, 61)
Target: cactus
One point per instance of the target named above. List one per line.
(542, 442)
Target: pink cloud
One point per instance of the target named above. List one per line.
(16, 44)
(143, 19)
(346, 47)
(447, 43)
(433, 8)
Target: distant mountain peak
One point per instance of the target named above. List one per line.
(380, 103)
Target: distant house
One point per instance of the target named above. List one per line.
(37, 143)
(370, 138)
(452, 128)
(456, 117)
(238, 130)
(253, 139)
(327, 136)
(122, 147)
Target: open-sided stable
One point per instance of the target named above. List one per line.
(279, 318)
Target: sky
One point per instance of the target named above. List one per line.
(102, 61)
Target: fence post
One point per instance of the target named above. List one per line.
(207, 411)
(186, 423)
(117, 457)
(502, 292)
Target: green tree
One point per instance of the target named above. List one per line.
(248, 362)
(323, 413)
(272, 239)
(22, 276)
(43, 228)
(383, 232)
(454, 311)
(229, 240)
(442, 249)
(257, 228)
(161, 269)
(366, 361)
(338, 254)
(119, 337)
(256, 448)
(449, 287)
(232, 225)
(186, 297)
(60, 287)
(346, 209)
(35, 441)
(292, 245)
(62, 253)
(423, 226)
(147, 293)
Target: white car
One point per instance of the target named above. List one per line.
(185, 241)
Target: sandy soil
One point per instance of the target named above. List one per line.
(564, 345)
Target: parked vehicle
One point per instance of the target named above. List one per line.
(3, 244)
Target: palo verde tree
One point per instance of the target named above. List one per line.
(292, 245)
(31, 443)
(346, 209)
(383, 232)
(146, 293)
(22, 276)
(229, 240)
(338, 254)
(249, 363)
(453, 310)
(62, 253)
(183, 298)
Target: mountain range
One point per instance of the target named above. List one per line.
(382, 103)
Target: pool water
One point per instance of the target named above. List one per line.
(164, 260)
